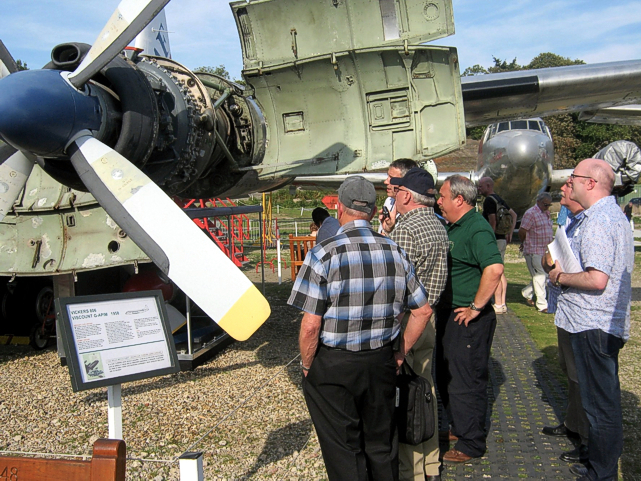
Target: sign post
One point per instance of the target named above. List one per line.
(114, 338)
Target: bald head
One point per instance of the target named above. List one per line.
(600, 171)
(592, 180)
(486, 186)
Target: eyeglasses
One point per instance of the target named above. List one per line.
(547, 205)
(574, 176)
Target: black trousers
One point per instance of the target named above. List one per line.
(350, 397)
(462, 373)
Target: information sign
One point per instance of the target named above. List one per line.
(116, 338)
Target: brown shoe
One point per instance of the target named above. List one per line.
(530, 302)
(451, 437)
(454, 456)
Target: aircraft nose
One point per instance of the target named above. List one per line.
(523, 150)
(40, 111)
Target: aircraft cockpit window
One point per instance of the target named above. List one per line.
(490, 132)
(519, 125)
(503, 126)
(534, 125)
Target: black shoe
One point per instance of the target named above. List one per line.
(579, 470)
(433, 477)
(577, 455)
(560, 430)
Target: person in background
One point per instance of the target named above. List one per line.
(327, 225)
(313, 229)
(535, 234)
(627, 210)
(576, 425)
(396, 169)
(465, 319)
(490, 208)
(353, 287)
(594, 307)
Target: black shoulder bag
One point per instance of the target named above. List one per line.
(414, 411)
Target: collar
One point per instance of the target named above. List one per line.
(355, 224)
(599, 204)
(424, 210)
(464, 217)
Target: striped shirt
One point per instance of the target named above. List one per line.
(539, 230)
(422, 236)
(359, 282)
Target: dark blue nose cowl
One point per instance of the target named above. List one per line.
(40, 112)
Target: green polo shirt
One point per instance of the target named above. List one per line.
(472, 249)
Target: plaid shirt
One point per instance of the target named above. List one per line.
(539, 230)
(359, 281)
(422, 236)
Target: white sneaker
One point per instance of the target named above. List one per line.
(500, 309)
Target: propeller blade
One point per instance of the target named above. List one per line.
(7, 64)
(175, 244)
(14, 171)
(125, 23)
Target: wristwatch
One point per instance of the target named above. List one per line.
(474, 308)
(557, 283)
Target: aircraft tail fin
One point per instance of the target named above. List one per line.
(154, 39)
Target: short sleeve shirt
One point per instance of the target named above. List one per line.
(603, 241)
(490, 207)
(472, 249)
(539, 230)
(359, 282)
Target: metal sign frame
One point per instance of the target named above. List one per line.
(105, 307)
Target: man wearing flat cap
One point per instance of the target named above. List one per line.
(352, 288)
(422, 236)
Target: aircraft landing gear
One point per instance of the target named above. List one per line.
(45, 327)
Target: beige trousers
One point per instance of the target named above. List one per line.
(416, 462)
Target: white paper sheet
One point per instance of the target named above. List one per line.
(560, 250)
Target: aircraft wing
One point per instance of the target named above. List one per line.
(624, 115)
(542, 92)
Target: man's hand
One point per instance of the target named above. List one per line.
(555, 273)
(399, 357)
(508, 238)
(465, 315)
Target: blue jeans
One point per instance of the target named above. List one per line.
(596, 355)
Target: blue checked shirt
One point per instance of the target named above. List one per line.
(603, 241)
(359, 282)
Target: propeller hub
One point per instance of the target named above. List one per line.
(40, 112)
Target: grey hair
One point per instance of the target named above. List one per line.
(543, 196)
(464, 187)
(356, 213)
(403, 165)
(426, 200)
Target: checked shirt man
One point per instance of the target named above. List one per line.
(422, 236)
(353, 287)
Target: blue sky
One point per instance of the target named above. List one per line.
(204, 32)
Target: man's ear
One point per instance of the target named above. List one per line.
(374, 210)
